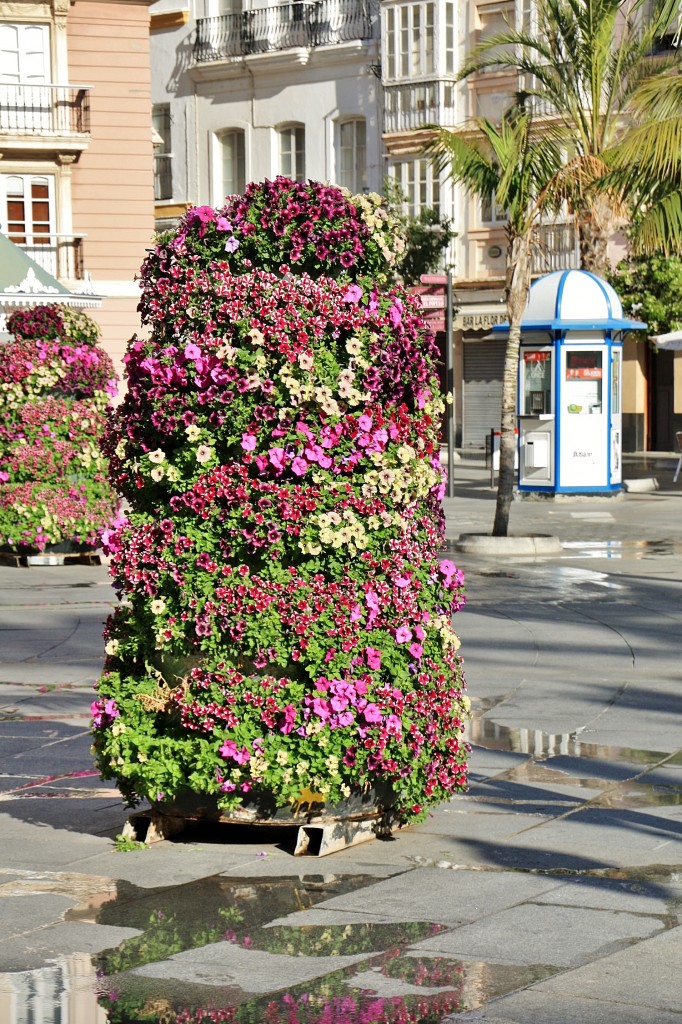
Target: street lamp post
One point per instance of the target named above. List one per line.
(450, 387)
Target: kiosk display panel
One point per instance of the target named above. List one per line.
(583, 448)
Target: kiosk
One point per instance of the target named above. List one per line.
(569, 399)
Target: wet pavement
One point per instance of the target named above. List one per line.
(551, 893)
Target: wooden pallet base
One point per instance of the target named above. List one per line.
(17, 561)
(312, 840)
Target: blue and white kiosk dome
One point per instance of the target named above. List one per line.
(569, 399)
(569, 299)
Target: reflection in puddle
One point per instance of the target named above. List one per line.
(485, 733)
(632, 549)
(206, 954)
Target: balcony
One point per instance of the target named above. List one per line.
(48, 113)
(300, 24)
(556, 248)
(59, 255)
(416, 105)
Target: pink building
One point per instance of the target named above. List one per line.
(76, 158)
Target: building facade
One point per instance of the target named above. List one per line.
(349, 91)
(76, 156)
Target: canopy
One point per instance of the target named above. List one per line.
(673, 341)
(23, 282)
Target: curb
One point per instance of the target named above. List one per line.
(485, 544)
(642, 485)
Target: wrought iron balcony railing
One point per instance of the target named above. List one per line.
(414, 105)
(556, 248)
(302, 23)
(60, 255)
(44, 109)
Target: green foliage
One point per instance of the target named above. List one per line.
(427, 236)
(650, 288)
(125, 845)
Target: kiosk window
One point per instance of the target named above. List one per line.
(537, 383)
(584, 382)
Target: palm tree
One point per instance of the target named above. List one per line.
(582, 64)
(647, 165)
(509, 162)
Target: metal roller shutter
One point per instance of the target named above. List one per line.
(482, 390)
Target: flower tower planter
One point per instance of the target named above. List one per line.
(284, 647)
(56, 384)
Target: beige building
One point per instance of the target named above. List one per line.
(76, 157)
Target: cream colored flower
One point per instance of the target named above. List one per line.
(305, 360)
(158, 473)
(204, 453)
(157, 456)
(193, 432)
(257, 337)
(112, 647)
(158, 606)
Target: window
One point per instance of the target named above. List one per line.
(420, 184)
(292, 152)
(233, 162)
(492, 20)
(27, 208)
(410, 40)
(24, 54)
(24, 69)
(351, 155)
(161, 131)
(491, 212)
(27, 215)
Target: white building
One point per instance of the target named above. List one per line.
(349, 91)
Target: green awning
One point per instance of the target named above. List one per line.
(23, 282)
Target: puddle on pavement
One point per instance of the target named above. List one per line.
(626, 549)
(395, 983)
(621, 774)
(484, 732)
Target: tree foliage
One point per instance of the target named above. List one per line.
(517, 166)
(582, 66)
(650, 288)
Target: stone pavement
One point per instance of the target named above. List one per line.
(550, 894)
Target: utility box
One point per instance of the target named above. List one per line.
(536, 451)
(569, 397)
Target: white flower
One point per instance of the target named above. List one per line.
(157, 456)
(193, 432)
(305, 361)
(353, 346)
(158, 606)
(158, 473)
(204, 453)
(112, 647)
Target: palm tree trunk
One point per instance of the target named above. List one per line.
(518, 286)
(593, 239)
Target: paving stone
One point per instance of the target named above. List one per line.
(561, 936)
(436, 895)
